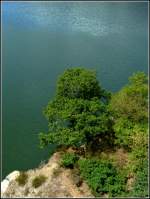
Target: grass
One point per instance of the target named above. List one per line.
(38, 181)
(22, 178)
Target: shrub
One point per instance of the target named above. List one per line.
(102, 177)
(123, 131)
(69, 159)
(139, 162)
(38, 181)
(22, 178)
(140, 188)
(131, 102)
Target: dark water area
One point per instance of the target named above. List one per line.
(40, 40)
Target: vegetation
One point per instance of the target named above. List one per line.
(82, 113)
(69, 160)
(102, 177)
(22, 178)
(77, 116)
(38, 181)
(140, 187)
(130, 108)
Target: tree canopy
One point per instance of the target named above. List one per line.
(78, 113)
(131, 102)
(78, 83)
(130, 108)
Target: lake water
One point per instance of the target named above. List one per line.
(40, 40)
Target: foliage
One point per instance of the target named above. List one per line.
(123, 129)
(140, 143)
(22, 178)
(130, 111)
(140, 188)
(130, 108)
(102, 177)
(131, 102)
(138, 161)
(75, 119)
(69, 159)
(38, 181)
(79, 83)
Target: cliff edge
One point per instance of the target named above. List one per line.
(60, 182)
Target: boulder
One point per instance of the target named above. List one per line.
(13, 175)
(5, 183)
(4, 186)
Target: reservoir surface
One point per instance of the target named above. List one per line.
(40, 40)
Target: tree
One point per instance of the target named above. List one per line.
(131, 102)
(78, 83)
(78, 114)
(130, 108)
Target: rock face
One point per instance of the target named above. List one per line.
(6, 182)
(59, 182)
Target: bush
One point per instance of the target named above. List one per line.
(139, 162)
(140, 187)
(69, 159)
(22, 178)
(123, 131)
(102, 177)
(131, 102)
(38, 181)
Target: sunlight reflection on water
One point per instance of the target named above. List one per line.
(75, 17)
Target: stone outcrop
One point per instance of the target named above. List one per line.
(6, 182)
(59, 182)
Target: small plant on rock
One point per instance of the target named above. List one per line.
(69, 160)
(38, 181)
(22, 178)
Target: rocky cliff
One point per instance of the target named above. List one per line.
(60, 182)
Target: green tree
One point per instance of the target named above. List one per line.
(78, 114)
(79, 83)
(130, 108)
(131, 102)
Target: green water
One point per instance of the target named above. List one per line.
(40, 40)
